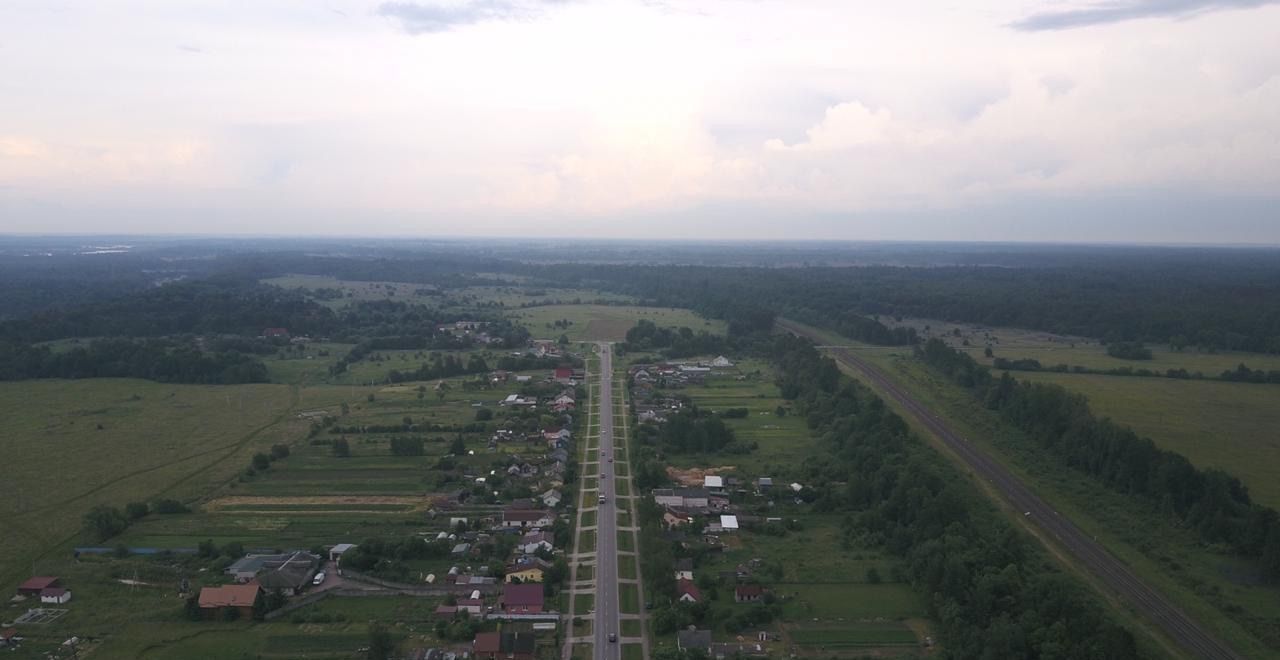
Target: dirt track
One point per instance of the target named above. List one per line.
(1087, 552)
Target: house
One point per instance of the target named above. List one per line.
(721, 362)
(460, 550)
(564, 398)
(684, 569)
(505, 645)
(214, 601)
(446, 611)
(336, 552)
(290, 572)
(556, 434)
(33, 586)
(273, 333)
(521, 599)
(519, 518)
(675, 517)
(688, 591)
(472, 606)
(552, 498)
(764, 483)
(528, 569)
(55, 595)
(747, 593)
(692, 498)
(563, 375)
(9, 638)
(532, 542)
(729, 523)
(713, 482)
(693, 640)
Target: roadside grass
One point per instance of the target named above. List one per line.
(627, 567)
(1231, 426)
(581, 652)
(626, 541)
(629, 598)
(622, 487)
(587, 540)
(608, 322)
(585, 572)
(584, 603)
(632, 652)
(631, 628)
(589, 518)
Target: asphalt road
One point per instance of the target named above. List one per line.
(1089, 553)
(606, 620)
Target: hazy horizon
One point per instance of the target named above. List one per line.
(1122, 122)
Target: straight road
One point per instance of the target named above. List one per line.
(607, 621)
(1092, 555)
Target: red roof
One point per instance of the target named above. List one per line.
(749, 590)
(231, 595)
(52, 592)
(520, 595)
(564, 372)
(684, 586)
(8, 633)
(38, 583)
(275, 332)
(488, 642)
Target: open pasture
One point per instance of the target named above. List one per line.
(353, 291)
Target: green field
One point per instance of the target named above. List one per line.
(854, 636)
(353, 291)
(71, 445)
(607, 322)
(1232, 426)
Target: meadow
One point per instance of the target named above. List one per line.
(1231, 426)
(607, 322)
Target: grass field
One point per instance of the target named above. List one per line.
(854, 636)
(114, 441)
(1232, 426)
(357, 291)
(607, 322)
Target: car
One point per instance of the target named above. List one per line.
(610, 459)
(601, 475)
(318, 579)
(602, 499)
(613, 637)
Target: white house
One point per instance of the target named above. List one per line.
(55, 595)
(713, 481)
(729, 523)
(721, 362)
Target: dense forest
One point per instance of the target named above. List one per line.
(993, 593)
(673, 342)
(1213, 503)
(163, 360)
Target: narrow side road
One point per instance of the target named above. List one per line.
(1089, 553)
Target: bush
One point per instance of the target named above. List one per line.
(279, 451)
(136, 510)
(169, 506)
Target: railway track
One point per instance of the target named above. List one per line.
(1184, 631)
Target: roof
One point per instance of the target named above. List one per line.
(693, 639)
(342, 547)
(748, 590)
(230, 595)
(729, 522)
(505, 643)
(764, 481)
(685, 564)
(684, 586)
(564, 372)
(52, 592)
(522, 594)
(488, 642)
(38, 583)
(524, 515)
(8, 633)
(712, 481)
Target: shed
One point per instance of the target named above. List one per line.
(713, 481)
(55, 595)
(336, 552)
(33, 586)
(728, 523)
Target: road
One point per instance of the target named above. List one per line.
(607, 620)
(1087, 552)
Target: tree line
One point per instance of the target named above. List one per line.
(1213, 503)
(992, 591)
(163, 360)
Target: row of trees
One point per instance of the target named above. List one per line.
(673, 342)
(992, 592)
(163, 360)
(1213, 503)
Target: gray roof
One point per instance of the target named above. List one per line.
(693, 639)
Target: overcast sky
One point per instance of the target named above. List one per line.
(1116, 120)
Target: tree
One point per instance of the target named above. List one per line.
(191, 609)
(103, 522)
(136, 510)
(261, 461)
(381, 645)
(442, 390)
(484, 415)
(341, 448)
(279, 451)
(233, 549)
(458, 447)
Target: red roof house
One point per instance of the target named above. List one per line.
(275, 332)
(522, 598)
(213, 600)
(505, 645)
(747, 593)
(688, 591)
(33, 586)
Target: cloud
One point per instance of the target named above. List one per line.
(1117, 11)
(427, 18)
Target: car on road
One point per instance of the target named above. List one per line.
(602, 499)
(613, 637)
(318, 579)
(610, 459)
(601, 475)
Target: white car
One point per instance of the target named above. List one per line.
(318, 579)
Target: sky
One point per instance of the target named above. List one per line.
(1154, 121)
